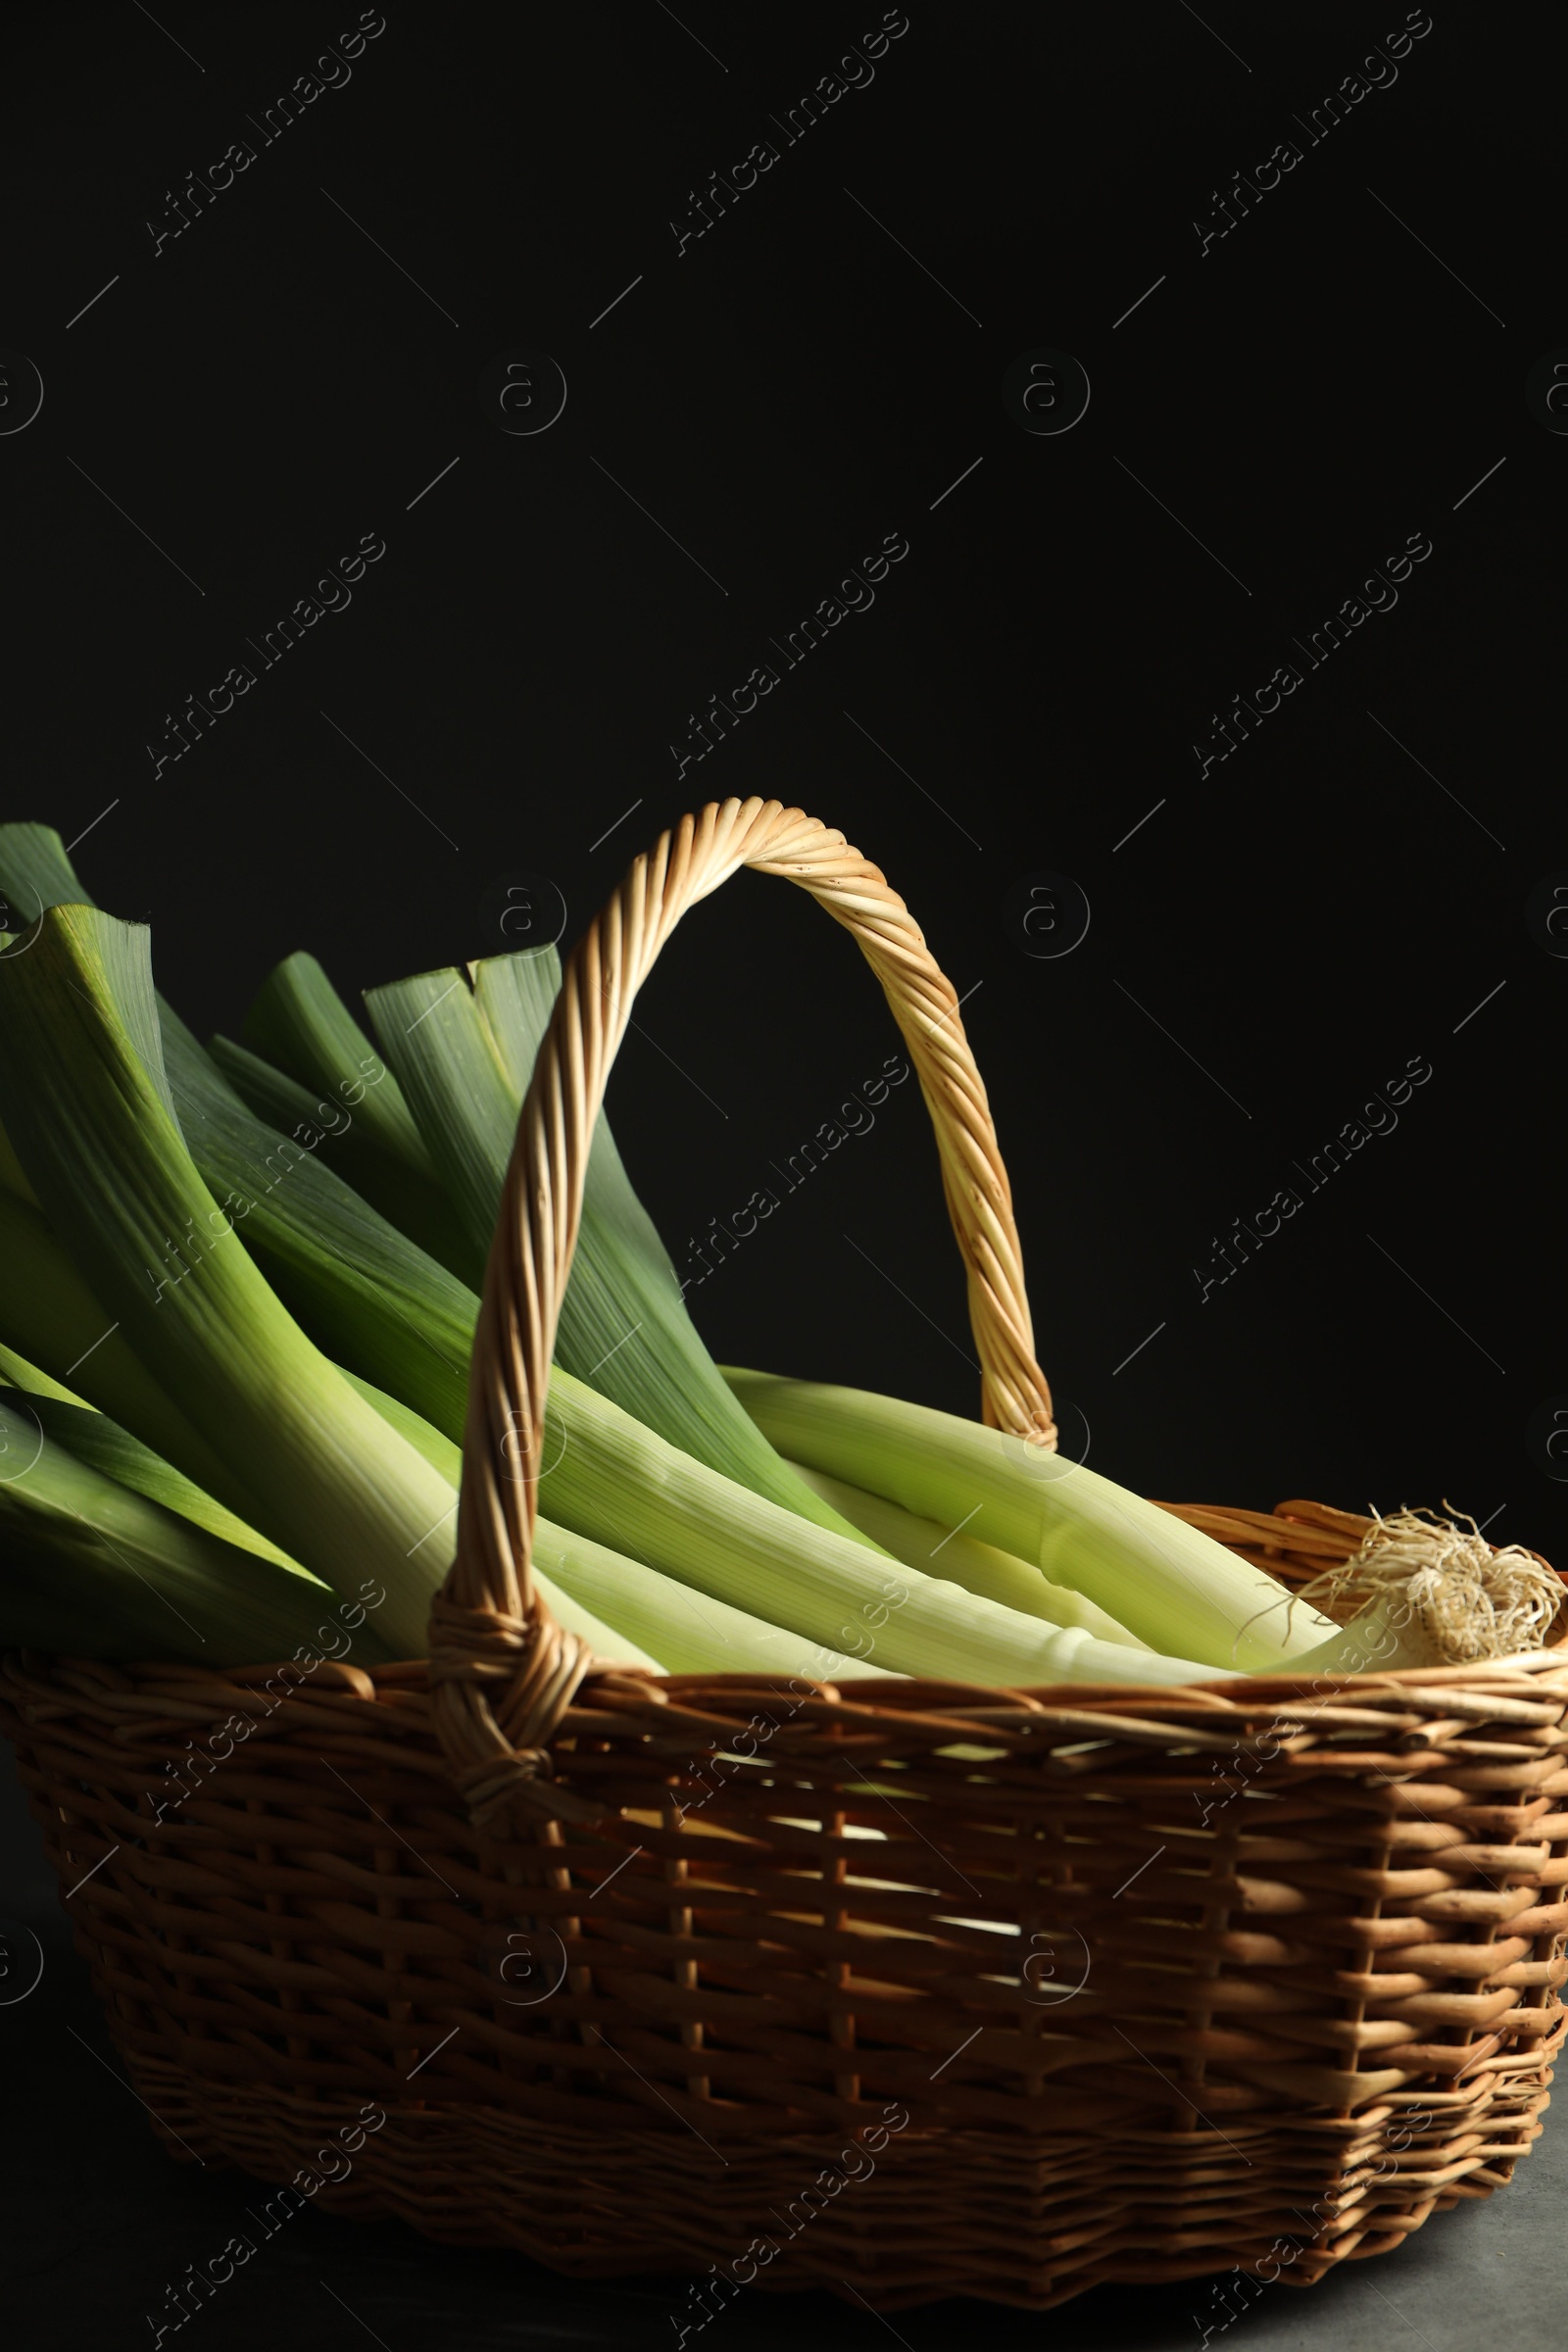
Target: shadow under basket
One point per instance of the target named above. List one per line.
(903, 1989)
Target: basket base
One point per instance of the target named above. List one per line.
(1028, 2222)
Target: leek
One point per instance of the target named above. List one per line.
(608, 1478)
(379, 1308)
(372, 1297)
(1173, 1588)
(91, 1118)
(763, 1576)
(330, 1479)
(639, 1531)
(676, 1533)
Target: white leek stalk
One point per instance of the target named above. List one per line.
(687, 1632)
(608, 1478)
(636, 1499)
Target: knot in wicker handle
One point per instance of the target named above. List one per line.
(502, 1672)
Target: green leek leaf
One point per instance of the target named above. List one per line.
(375, 1144)
(89, 1113)
(50, 1318)
(89, 1568)
(414, 1202)
(464, 1044)
(299, 1022)
(16, 1373)
(114, 1452)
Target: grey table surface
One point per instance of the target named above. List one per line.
(98, 2223)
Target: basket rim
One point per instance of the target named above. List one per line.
(1226, 1695)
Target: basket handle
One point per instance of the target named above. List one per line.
(502, 1672)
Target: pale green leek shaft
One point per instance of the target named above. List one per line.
(1175, 1588)
(956, 1554)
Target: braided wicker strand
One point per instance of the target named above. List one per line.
(502, 1672)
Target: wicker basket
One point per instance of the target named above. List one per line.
(903, 1990)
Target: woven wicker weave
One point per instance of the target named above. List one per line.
(902, 1988)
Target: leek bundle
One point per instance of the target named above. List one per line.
(623, 1326)
(656, 1618)
(373, 1302)
(376, 1305)
(236, 1315)
(620, 1483)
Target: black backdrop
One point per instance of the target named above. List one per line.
(1291, 378)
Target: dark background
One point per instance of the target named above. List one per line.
(302, 366)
